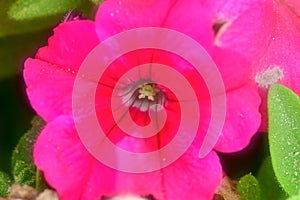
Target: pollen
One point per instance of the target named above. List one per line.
(269, 77)
(149, 91)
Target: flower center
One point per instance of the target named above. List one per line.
(149, 91)
(143, 95)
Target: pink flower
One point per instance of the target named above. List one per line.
(50, 76)
(267, 34)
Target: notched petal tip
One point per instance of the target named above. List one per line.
(217, 25)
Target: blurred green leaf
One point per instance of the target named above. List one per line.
(297, 197)
(23, 16)
(30, 9)
(5, 183)
(23, 168)
(97, 2)
(284, 137)
(270, 188)
(248, 188)
(24, 173)
(14, 50)
(9, 26)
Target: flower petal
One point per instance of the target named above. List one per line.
(67, 166)
(274, 54)
(233, 67)
(49, 88)
(50, 76)
(63, 159)
(193, 19)
(240, 34)
(68, 47)
(115, 16)
(192, 178)
(294, 5)
(242, 119)
(231, 9)
(280, 63)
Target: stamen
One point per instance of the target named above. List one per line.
(143, 95)
(149, 91)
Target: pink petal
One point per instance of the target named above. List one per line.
(282, 55)
(193, 19)
(187, 178)
(267, 34)
(188, 17)
(231, 9)
(67, 165)
(115, 16)
(192, 178)
(71, 43)
(59, 153)
(248, 32)
(49, 88)
(293, 5)
(283, 50)
(233, 67)
(50, 76)
(242, 119)
(64, 160)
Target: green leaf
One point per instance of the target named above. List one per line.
(24, 173)
(23, 168)
(284, 137)
(37, 14)
(9, 26)
(5, 183)
(270, 188)
(248, 188)
(97, 2)
(296, 197)
(30, 9)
